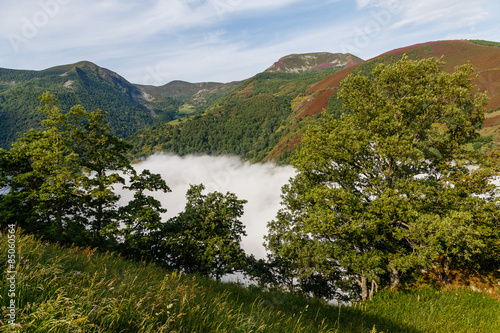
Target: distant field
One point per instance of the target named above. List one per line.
(187, 109)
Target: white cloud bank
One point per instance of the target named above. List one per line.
(259, 184)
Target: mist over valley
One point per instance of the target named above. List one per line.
(259, 183)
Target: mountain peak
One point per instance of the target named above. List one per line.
(313, 62)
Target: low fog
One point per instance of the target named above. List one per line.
(259, 184)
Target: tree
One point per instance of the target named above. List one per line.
(103, 161)
(140, 219)
(205, 238)
(58, 182)
(388, 189)
(43, 176)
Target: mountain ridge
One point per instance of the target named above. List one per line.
(310, 62)
(290, 94)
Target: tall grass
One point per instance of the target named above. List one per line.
(81, 290)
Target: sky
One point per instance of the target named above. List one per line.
(157, 41)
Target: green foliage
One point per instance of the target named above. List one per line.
(58, 183)
(60, 180)
(484, 42)
(248, 122)
(81, 290)
(246, 128)
(334, 106)
(205, 238)
(140, 218)
(385, 189)
(482, 141)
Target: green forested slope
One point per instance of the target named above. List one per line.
(82, 83)
(249, 122)
(245, 129)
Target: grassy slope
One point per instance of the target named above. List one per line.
(80, 290)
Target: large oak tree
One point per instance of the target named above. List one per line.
(390, 189)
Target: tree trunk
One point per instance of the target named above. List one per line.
(364, 287)
(444, 275)
(373, 289)
(394, 275)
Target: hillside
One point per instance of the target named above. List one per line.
(485, 59)
(250, 120)
(81, 290)
(260, 119)
(82, 83)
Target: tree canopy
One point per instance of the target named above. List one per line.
(58, 182)
(205, 238)
(389, 190)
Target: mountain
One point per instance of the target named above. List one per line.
(261, 118)
(180, 88)
(266, 115)
(484, 56)
(130, 107)
(82, 83)
(181, 99)
(313, 62)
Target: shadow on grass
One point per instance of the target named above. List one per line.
(313, 312)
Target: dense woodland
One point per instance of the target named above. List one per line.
(249, 130)
(384, 195)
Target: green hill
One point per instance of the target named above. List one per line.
(81, 83)
(260, 119)
(131, 107)
(81, 290)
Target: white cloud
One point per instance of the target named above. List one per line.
(363, 3)
(455, 12)
(259, 184)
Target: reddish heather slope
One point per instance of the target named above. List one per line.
(485, 59)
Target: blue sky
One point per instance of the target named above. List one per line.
(157, 41)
